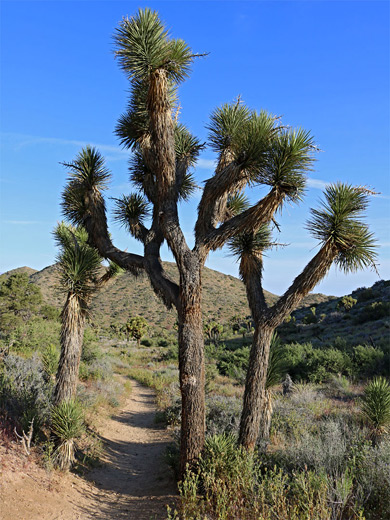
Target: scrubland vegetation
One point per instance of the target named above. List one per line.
(328, 451)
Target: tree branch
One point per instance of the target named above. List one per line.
(249, 220)
(227, 178)
(96, 225)
(313, 273)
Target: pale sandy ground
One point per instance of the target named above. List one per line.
(132, 483)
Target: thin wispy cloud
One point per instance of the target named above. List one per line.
(206, 164)
(23, 140)
(317, 184)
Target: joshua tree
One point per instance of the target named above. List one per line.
(252, 148)
(79, 265)
(136, 327)
(346, 242)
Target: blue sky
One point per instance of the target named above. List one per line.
(321, 65)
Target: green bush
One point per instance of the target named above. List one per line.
(364, 295)
(25, 392)
(374, 311)
(368, 360)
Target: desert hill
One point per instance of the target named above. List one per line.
(223, 297)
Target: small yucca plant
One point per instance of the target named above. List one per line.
(376, 405)
(67, 424)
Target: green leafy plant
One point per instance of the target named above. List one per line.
(67, 425)
(50, 358)
(376, 405)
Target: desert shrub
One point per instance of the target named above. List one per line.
(146, 342)
(368, 360)
(223, 414)
(338, 386)
(230, 483)
(91, 350)
(374, 311)
(67, 425)
(25, 392)
(373, 481)
(171, 353)
(95, 370)
(233, 363)
(322, 448)
(313, 364)
(364, 295)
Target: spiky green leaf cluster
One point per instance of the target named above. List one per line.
(245, 133)
(276, 363)
(290, 156)
(251, 243)
(226, 124)
(144, 46)
(133, 125)
(77, 262)
(86, 173)
(237, 203)
(187, 146)
(376, 403)
(338, 222)
(67, 421)
(131, 211)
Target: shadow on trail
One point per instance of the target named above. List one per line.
(133, 482)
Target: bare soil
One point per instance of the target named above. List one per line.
(132, 481)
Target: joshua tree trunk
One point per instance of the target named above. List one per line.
(72, 333)
(255, 387)
(266, 320)
(191, 364)
(266, 416)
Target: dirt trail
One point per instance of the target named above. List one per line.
(133, 483)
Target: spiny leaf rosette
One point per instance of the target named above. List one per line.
(252, 149)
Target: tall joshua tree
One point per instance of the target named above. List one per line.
(252, 148)
(79, 266)
(345, 241)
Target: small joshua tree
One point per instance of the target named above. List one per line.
(79, 267)
(136, 327)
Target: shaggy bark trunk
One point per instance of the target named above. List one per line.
(191, 365)
(254, 397)
(266, 416)
(72, 332)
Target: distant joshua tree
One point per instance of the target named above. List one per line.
(252, 148)
(346, 242)
(136, 327)
(79, 266)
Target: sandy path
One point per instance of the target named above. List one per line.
(132, 483)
